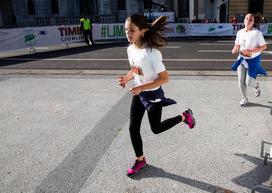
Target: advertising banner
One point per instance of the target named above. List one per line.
(68, 34)
(210, 29)
(109, 31)
(18, 38)
(266, 29)
(177, 30)
(117, 31)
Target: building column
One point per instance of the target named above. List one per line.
(201, 9)
(1, 20)
(191, 10)
(176, 10)
(104, 7)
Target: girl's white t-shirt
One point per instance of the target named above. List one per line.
(249, 40)
(146, 64)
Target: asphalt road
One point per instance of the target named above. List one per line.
(178, 55)
(69, 134)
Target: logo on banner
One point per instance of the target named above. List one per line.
(114, 31)
(42, 33)
(70, 34)
(237, 27)
(30, 37)
(213, 28)
(180, 29)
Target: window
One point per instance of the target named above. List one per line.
(31, 7)
(55, 6)
(255, 6)
(147, 4)
(183, 9)
(85, 7)
(121, 4)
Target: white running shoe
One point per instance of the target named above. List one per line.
(257, 90)
(243, 102)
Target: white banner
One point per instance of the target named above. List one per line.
(117, 31)
(266, 29)
(18, 38)
(210, 29)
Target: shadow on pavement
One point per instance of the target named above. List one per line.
(6, 61)
(257, 105)
(260, 174)
(153, 172)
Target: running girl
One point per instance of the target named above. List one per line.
(249, 44)
(149, 74)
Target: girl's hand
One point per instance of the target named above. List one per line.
(246, 52)
(122, 81)
(235, 50)
(136, 90)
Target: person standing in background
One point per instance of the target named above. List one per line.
(86, 28)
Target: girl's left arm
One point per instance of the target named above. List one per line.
(259, 48)
(162, 79)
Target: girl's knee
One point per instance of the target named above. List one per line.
(155, 130)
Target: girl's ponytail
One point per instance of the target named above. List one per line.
(155, 35)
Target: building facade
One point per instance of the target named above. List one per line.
(21, 13)
(238, 8)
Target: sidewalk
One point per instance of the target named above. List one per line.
(50, 48)
(69, 134)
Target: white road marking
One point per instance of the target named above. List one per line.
(216, 44)
(120, 59)
(226, 51)
(167, 47)
(267, 52)
(222, 43)
(175, 47)
(213, 51)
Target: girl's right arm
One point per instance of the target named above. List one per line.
(122, 80)
(235, 49)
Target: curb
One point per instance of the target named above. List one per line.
(113, 72)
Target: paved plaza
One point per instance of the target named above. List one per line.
(65, 130)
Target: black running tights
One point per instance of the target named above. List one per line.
(137, 111)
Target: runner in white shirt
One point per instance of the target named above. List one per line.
(249, 44)
(149, 73)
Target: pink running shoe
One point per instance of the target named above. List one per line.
(138, 165)
(189, 119)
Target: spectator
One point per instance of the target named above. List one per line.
(214, 20)
(194, 20)
(263, 20)
(163, 8)
(234, 20)
(206, 20)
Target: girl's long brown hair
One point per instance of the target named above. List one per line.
(154, 37)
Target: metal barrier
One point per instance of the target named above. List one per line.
(266, 156)
(49, 21)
